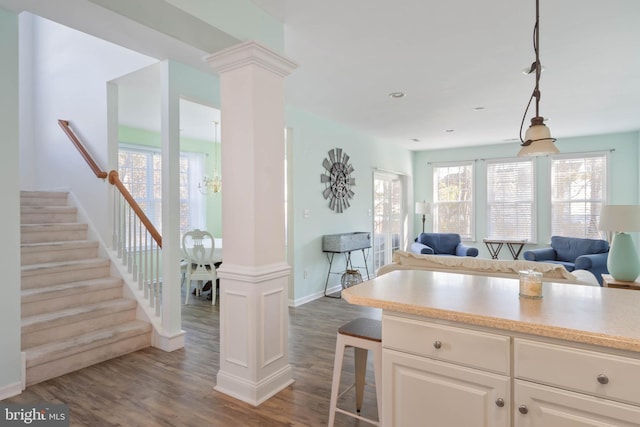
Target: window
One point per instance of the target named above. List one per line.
(141, 172)
(578, 192)
(453, 199)
(511, 203)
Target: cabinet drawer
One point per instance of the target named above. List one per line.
(599, 374)
(457, 345)
(552, 407)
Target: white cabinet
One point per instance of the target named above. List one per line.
(445, 375)
(437, 375)
(543, 406)
(559, 385)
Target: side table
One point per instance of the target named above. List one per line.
(609, 282)
(494, 246)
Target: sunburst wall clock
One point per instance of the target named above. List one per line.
(338, 180)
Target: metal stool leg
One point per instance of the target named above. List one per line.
(363, 335)
(360, 355)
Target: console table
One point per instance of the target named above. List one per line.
(345, 243)
(495, 245)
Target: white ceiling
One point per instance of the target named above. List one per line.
(451, 57)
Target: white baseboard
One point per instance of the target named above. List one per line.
(11, 390)
(314, 296)
(251, 392)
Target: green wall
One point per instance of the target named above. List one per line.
(10, 357)
(313, 137)
(623, 177)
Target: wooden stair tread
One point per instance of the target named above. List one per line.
(54, 226)
(64, 265)
(38, 294)
(74, 311)
(63, 348)
(75, 314)
(64, 244)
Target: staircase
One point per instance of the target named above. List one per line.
(73, 311)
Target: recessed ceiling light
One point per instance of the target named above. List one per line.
(397, 95)
(478, 109)
(415, 139)
(448, 130)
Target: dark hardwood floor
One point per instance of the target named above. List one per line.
(155, 388)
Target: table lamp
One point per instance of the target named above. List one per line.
(423, 208)
(623, 263)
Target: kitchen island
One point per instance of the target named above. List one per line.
(465, 350)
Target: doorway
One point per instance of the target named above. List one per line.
(388, 216)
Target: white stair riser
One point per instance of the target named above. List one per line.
(56, 304)
(43, 336)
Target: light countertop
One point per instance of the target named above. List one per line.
(586, 314)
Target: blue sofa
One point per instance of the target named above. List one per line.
(575, 254)
(442, 244)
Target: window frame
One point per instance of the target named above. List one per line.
(533, 230)
(605, 190)
(190, 188)
(471, 237)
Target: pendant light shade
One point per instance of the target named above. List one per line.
(539, 140)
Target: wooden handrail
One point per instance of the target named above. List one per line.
(114, 179)
(64, 124)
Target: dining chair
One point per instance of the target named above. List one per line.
(198, 247)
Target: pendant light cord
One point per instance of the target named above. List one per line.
(536, 89)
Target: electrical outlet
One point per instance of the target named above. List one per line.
(305, 274)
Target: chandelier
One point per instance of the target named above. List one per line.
(537, 140)
(213, 185)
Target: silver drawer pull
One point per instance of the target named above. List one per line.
(499, 402)
(523, 409)
(437, 344)
(603, 379)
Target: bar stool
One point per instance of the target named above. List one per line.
(362, 334)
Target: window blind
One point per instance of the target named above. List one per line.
(511, 200)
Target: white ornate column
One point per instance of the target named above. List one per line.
(254, 345)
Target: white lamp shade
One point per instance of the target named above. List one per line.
(542, 142)
(623, 218)
(423, 208)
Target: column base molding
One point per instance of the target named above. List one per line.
(250, 392)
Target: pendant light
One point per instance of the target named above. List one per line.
(537, 140)
(212, 185)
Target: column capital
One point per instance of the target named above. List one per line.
(250, 53)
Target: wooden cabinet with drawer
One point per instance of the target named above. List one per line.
(558, 385)
(444, 375)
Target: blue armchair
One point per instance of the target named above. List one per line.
(575, 254)
(442, 244)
